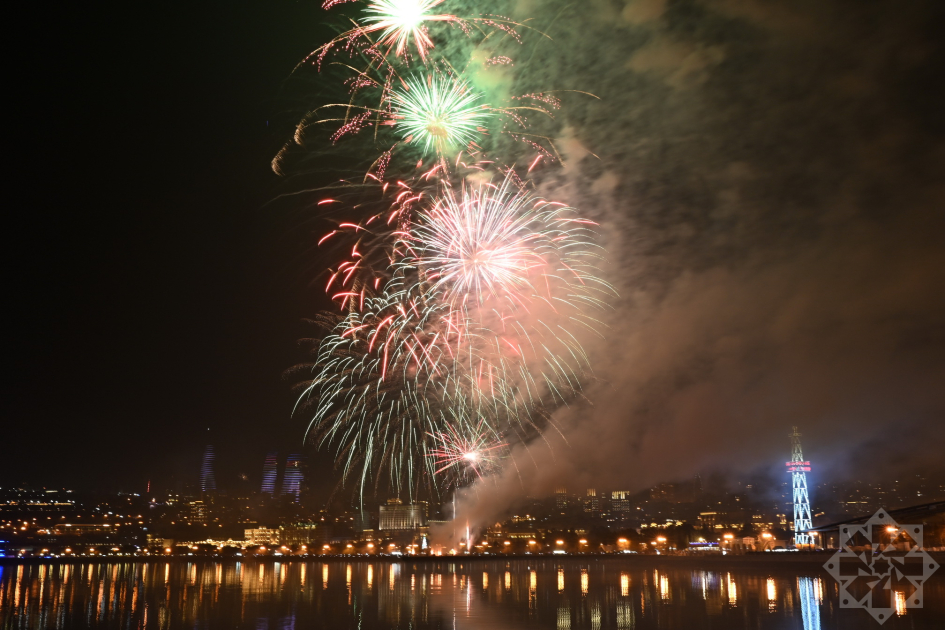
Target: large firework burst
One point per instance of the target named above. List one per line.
(450, 343)
(498, 244)
(438, 111)
(402, 21)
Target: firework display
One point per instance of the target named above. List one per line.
(462, 294)
(400, 21)
(439, 112)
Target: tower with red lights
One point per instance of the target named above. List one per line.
(799, 469)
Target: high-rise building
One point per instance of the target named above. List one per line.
(292, 480)
(270, 471)
(591, 502)
(561, 497)
(198, 512)
(397, 516)
(799, 469)
(620, 501)
(302, 533)
(208, 482)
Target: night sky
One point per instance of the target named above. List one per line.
(147, 295)
(768, 175)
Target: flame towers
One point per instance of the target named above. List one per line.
(292, 480)
(208, 482)
(270, 472)
(799, 469)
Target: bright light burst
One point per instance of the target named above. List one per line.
(464, 449)
(438, 111)
(502, 242)
(402, 20)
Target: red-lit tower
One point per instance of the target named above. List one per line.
(799, 469)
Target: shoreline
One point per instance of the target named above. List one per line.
(816, 559)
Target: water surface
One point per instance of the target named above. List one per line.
(470, 594)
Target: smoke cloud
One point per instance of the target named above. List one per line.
(768, 181)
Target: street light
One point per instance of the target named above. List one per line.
(767, 536)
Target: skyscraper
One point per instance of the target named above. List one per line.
(292, 480)
(799, 469)
(561, 497)
(620, 501)
(396, 516)
(207, 480)
(270, 470)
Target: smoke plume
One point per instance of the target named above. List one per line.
(768, 180)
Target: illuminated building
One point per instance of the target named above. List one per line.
(591, 502)
(561, 498)
(292, 480)
(303, 533)
(396, 516)
(620, 501)
(799, 469)
(270, 470)
(198, 512)
(261, 536)
(208, 482)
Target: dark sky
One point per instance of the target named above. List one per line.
(769, 184)
(146, 295)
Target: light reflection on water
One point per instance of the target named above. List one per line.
(540, 593)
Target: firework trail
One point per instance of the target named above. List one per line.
(386, 378)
